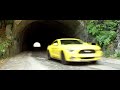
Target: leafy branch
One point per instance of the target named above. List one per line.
(104, 31)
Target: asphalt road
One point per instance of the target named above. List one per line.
(38, 61)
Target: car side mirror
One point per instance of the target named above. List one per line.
(55, 44)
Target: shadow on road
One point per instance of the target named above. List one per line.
(39, 54)
(75, 63)
(43, 54)
(82, 63)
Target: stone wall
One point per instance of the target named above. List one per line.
(20, 25)
(118, 39)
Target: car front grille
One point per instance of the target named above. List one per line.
(87, 57)
(86, 51)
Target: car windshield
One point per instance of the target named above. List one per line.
(64, 42)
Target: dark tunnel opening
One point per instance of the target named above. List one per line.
(45, 33)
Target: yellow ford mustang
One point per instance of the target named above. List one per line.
(74, 50)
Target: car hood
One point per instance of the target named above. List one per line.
(81, 46)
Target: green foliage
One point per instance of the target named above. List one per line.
(3, 23)
(108, 53)
(10, 21)
(117, 54)
(3, 47)
(106, 37)
(4, 42)
(104, 31)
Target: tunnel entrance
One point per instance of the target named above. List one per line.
(45, 33)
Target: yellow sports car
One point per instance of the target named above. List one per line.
(74, 50)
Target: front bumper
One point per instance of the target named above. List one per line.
(83, 60)
(83, 57)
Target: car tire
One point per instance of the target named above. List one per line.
(94, 62)
(63, 61)
(49, 57)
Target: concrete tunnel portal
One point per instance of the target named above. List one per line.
(46, 32)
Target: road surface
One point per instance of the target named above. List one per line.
(38, 61)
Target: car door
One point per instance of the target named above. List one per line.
(55, 49)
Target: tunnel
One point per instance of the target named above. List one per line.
(46, 31)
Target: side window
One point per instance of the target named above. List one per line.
(52, 42)
(55, 42)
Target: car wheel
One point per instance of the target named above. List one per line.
(49, 57)
(63, 61)
(94, 62)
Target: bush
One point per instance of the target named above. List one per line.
(108, 53)
(117, 54)
(104, 31)
(3, 48)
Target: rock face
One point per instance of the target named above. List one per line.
(9, 31)
(118, 39)
(17, 21)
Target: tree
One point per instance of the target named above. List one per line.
(3, 23)
(104, 31)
